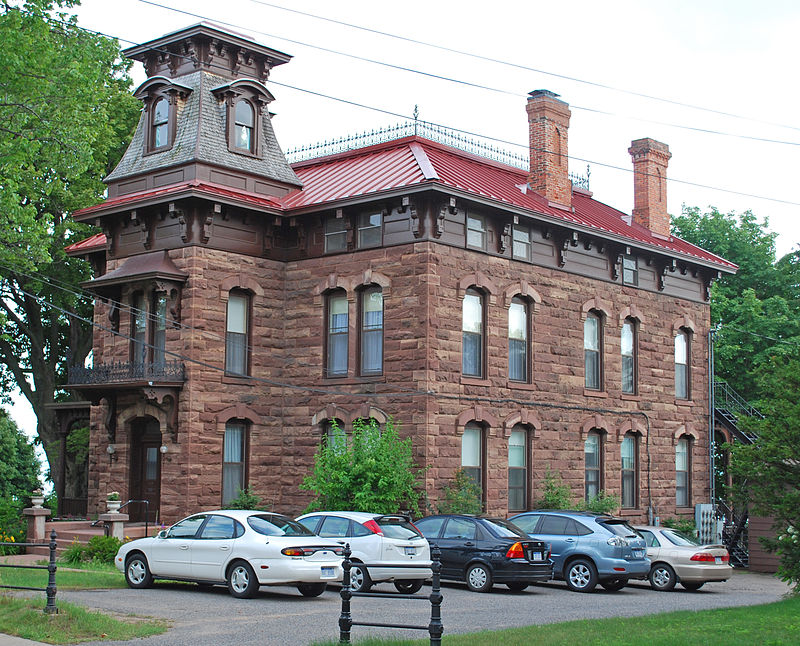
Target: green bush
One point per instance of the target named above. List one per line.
(246, 499)
(463, 496)
(601, 503)
(74, 554)
(555, 493)
(102, 549)
(685, 525)
(12, 525)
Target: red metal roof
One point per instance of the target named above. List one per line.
(411, 162)
(94, 243)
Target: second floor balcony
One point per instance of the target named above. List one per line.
(127, 374)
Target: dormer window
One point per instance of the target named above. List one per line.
(244, 125)
(160, 123)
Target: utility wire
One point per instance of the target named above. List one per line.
(520, 66)
(468, 83)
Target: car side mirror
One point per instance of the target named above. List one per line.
(162, 534)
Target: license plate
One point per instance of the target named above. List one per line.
(327, 573)
(535, 556)
(717, 560)
(410, 551)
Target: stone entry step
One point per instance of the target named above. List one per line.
(82, 531)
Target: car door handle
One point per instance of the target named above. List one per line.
(569, 540)
(469, 544)
(183, 547)
(224, 548)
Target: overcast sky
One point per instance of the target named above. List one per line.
(727, 56)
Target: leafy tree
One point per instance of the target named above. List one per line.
(462, 496)
(555, 492)
(373, 471)
(19, 467)
(767, 473)
(65, 116)
(246, 499)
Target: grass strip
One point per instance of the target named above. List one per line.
(66, 579)
(774, 624)
(24, 618)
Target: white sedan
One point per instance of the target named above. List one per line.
(243, 549)
(678, 558)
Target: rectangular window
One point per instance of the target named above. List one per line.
(233, 461)
(472, 453)
(472, 334)
(160, 329)
(370, 230)
(236, 334)
(521, 243)
(630, 270)
(518, 340)
(628, 349)
(476, 231)
(338, 334)
(591, 351)
(629, 469)
(682, 365)
(139, 329)
(517, 470)
(335, 435)
(682, 462)
(372, 331)
(335, 235)
(592, 465)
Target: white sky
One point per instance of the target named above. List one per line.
(733, 56)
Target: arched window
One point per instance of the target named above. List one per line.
(160, 124)
(234, 460)
(472, 453)
(518, 469)
(629, 347)
(518, 344)
(682, 364)
(236, 336)
(371, 331)
(629, 454)
(683, 469)
(593, 350)
(333, 434)
(337, 334)
(244, 122)
(593, 464)
(472, 347)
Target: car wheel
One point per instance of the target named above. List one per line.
(242, 582)
(614, 585)
(359, 578)
(581, 576)
(311, 589)
(137, 572)
(408, 586)
(692, 585)
(662, 577)
(517, 586)
(479, 578)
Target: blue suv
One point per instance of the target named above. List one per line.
(588, 548)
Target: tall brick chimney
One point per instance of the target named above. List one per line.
(548, 122)
(650, 159)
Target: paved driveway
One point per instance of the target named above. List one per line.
(278, 616)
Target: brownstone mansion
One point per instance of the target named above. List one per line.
(503, 317)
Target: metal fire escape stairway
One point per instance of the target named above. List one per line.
(729, 407)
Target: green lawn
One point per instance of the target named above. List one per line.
(24, 618)
(774, 624)
(92, 577)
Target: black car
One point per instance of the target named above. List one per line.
(483, 551)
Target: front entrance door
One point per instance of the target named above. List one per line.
(145, 470)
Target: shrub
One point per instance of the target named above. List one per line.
(463, 496)
(12, 525)
(102, 549)
(601, 503)
(555, 493)
(74, 554)
(685, 525)
(246, 499)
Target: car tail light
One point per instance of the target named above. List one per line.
(298, 551)
(372, 526)
(704, 557)
(617, 541)
(515, 551)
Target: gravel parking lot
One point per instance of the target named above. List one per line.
(277, 616)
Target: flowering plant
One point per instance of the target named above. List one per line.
(114, 495)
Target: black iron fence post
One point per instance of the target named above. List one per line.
(435, 628)
(345, 618)
(51, 590)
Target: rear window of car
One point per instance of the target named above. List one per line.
(503, 528)
(397, 527)
(619, 527)
(679, 538)
(277, 526)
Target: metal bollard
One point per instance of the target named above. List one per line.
(346, 618)
(51, 590)
(435, 627)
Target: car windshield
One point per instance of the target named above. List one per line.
(620, 528)
(679, 538)
(273, 525)
(397, 527)
(504, 528)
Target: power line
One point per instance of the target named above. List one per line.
(520, 66)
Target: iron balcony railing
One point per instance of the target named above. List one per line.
(127, 371)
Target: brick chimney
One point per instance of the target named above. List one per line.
(548, 122)
(650, 159)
